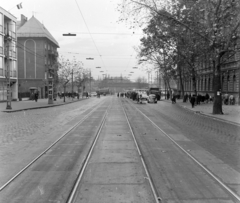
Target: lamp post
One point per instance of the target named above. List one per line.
(9, 98)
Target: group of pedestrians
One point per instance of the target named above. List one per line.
(228, 99)
(197, 99)
(34, 96)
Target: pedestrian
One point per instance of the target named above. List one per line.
(168, 95)
(174, 99)
(192, 100)
(231, 97)
(207, 97)
(36, 96)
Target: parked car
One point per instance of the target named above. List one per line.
(141, 96)
(93, 94)
(152, 98)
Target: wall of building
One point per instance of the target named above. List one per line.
(8, 54)
(33, 60)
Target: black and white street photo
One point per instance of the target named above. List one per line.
(120, 101)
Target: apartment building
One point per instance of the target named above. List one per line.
(8, 56)
(37, 54)
(230, 71)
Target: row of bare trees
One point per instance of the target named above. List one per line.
(72, 72)
(181, 37)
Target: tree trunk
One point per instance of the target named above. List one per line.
(170, 90)
(217, 103)
(181, 81)
(64, 89)
(194, 83)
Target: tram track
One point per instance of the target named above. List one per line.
(232, 193)
(80, 174)
(64, 134)
(75, 190)
(150, 179)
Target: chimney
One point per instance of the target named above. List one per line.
(23, 20)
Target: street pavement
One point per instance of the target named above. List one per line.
(231, 113)
(31, 104)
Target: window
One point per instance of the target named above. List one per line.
(1, 22)
(209, 84)
(1, 44)
(13, 29)
(1, 66)
(234, 82)
(13, 48)
(45, 46)
(13, 26)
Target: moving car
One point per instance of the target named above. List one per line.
(152, 98)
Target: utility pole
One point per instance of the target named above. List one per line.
(90, 81)
(9, 98)
(50, 86)
(72, 84)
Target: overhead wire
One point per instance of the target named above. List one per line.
(89, 32)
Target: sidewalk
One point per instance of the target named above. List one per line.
(31, 104)
(231, 113)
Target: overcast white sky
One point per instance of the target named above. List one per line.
(113, 41)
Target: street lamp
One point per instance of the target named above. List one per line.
(9, 98)
(69, 34)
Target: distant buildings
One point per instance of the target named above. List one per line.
(37, 53)
(8, 56)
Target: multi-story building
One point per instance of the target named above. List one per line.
(37, 54)
(230, 71)
(8, 57)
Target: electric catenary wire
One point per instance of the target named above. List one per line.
(89, 33)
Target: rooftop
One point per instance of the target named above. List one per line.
(33, 28)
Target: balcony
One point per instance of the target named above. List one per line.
(9, 53)
(56, 54)
(14, 54)
(13, 74)
(9, 35)
(50, 52)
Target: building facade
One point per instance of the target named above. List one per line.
(8, 55)
(37, 57)
(230, 70)
(230, 79)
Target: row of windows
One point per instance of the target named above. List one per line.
(49, 47)
(9, 27)
(12, 65)
(3, 90)
(228, 85)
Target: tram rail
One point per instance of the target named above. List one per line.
(211, 174)
(49, 147)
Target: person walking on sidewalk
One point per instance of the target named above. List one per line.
(174, 99)
(36, 96)
(192, 100)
